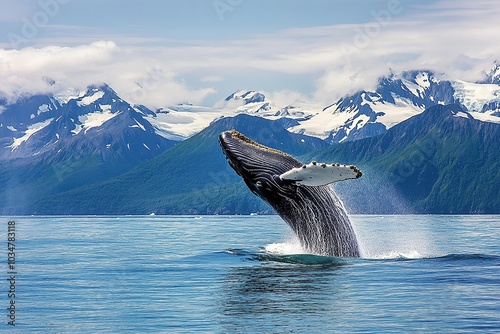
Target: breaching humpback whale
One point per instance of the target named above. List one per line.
(298, 193)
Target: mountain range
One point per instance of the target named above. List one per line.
(92, 152)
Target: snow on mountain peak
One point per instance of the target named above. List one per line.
(422, 79)
(417, 82)
(251, 102)
(32, 129)
(246, 96)
(65, 96)
(84, 97)
(93, 120)
(88, 100)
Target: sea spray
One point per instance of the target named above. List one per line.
(381, 240)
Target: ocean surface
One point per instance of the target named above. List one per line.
(245, 274)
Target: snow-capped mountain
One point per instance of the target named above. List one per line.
(397, 98)
(96, 122)
(367, 113)
(483, 96)
(360, 115)
(248, 101)
(184, 120)
(256, 103)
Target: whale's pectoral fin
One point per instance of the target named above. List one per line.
(320, 174)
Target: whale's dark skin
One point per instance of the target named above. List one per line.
(315, 214)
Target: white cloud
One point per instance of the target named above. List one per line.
(128, 71)
(283, 98)
(455, 37)
(451, 41)
(27, 70)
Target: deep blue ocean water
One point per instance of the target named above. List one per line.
(419, 274)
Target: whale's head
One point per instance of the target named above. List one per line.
(259, 166)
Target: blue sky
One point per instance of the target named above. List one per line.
(200, 51)
(187, 20)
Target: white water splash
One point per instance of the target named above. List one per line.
(381, 238)
(291, 246)
(294, 248)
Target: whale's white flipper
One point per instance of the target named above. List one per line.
(320, 174)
